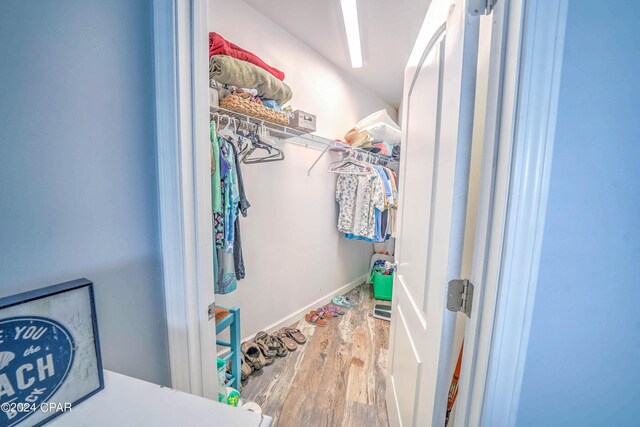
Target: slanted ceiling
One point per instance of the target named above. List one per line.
(388, 29)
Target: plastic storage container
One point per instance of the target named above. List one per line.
(382, 286)
(222, 389)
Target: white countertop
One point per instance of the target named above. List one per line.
(127, 401)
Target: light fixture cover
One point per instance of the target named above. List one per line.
(350, 15)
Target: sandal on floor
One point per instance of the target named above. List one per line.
(268, 347)
(295, 334)
(349, 300)
(323, 313)
(282, 348)
(246, 369)
(340, 301)
(315, 319)
(337, 310)
(289, 342)
(253, 355)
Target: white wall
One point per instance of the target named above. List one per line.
(78, 185)
(293, 252)
(318, 86)
(584, 345)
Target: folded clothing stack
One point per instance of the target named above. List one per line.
(219, 46)
(377, 133)
(231, 65)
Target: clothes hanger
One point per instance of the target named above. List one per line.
(275, 154)
(243, 137)
(351, 160)
(263, 135)
(226, 130)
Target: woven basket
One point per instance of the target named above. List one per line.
(250, 108)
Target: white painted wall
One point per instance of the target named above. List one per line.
(293, 252)
(319, 87)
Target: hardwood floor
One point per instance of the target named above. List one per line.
(336, 379)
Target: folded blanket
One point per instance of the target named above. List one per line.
(219, 46)
(230, 71)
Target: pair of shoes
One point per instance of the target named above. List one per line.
(260, 352)
(251, 356)
(270, 345)
(332, 309)
(343, 301)
(315, 319)
(291, 337)
(264, 348)
(245, 368)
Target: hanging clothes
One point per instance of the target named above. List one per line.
(346, 194)
(216, 187)
(228, 200)
(367, 201)
(243, 206)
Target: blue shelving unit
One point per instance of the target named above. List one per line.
(231, 321)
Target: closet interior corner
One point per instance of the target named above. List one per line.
(304, 189)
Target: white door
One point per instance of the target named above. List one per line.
(437, 124)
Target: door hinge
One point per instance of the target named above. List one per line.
(481, 7)
(460, 296)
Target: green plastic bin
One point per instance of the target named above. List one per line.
(382, 286)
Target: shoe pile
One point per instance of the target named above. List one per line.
(320, 316)
(265, 348)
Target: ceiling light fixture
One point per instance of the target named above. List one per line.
(350, 15)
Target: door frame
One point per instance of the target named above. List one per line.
(181, 49)
(525, 69)
(519, 136)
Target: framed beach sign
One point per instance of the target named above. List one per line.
(49, 353)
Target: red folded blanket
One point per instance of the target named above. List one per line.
(219, 46)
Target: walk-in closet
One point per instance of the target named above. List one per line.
(305, 163)
(318, 213)
(306, 180)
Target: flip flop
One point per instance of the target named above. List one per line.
(253, 355)
(246, 370)
(340, 301)
(316, 320)
(268, 347)
(295, 334)
(338, 310)
(349, 300)
(282, 348)
(287, 340)
(333, 310)
(325, 314)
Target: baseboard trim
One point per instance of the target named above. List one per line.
(297, 315)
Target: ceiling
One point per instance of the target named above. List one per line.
(388, 29)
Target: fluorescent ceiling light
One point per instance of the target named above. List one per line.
(350, 15)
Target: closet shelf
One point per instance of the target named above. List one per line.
(290, 134)
(276, 130)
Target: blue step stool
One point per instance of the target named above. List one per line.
(231, 321)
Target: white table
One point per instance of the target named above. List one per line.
(127, 401)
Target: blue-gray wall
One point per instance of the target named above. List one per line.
(78, 186)
(583, 361)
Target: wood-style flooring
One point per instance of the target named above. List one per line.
(336, 379)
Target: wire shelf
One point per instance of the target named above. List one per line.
(291, 135)
(275, 129)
